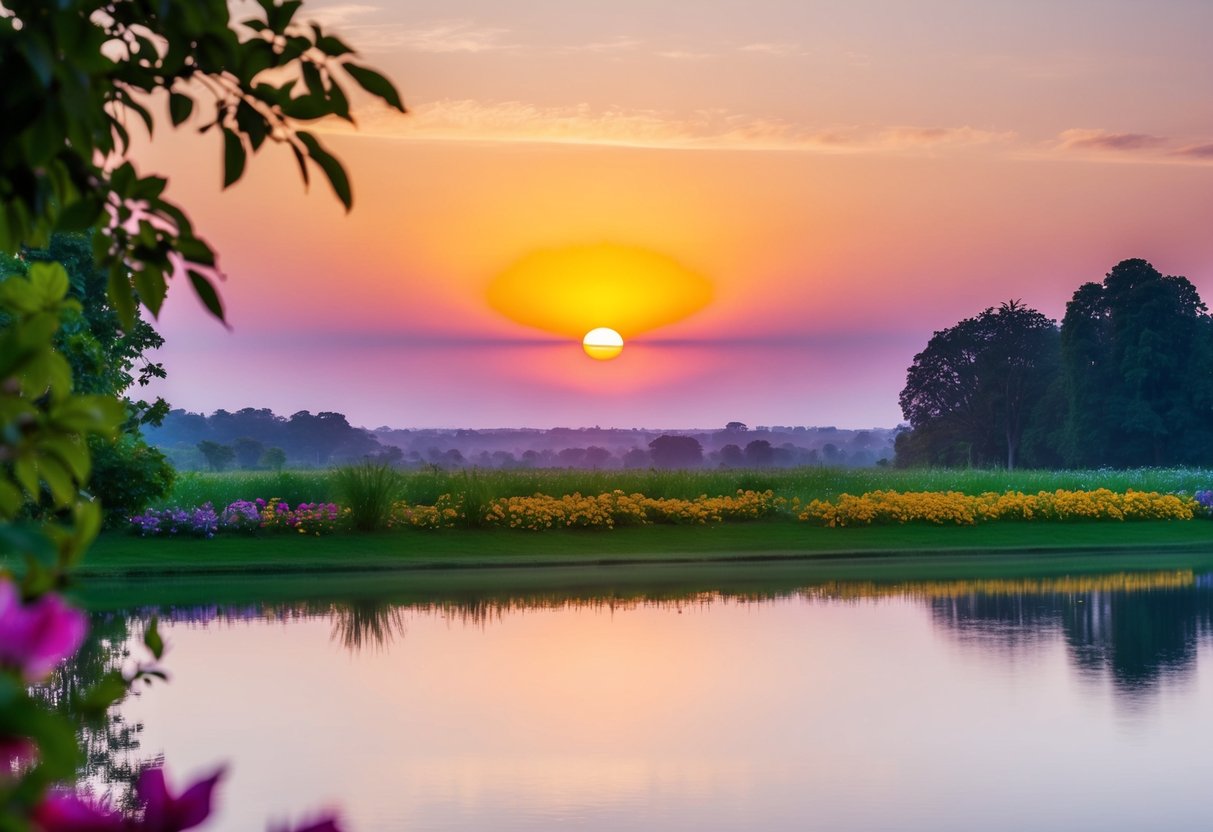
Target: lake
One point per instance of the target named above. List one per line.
(1056, 702)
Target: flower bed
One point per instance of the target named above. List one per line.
(602, 511)
(954, 508)
(241, 517)
(615, 508)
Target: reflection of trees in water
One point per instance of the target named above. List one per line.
(109, 742)
(1136, 639)
(367, 624)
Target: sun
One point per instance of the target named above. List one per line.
(602, 343)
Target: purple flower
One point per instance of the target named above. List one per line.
(62, 811)
(36, 637)
(162, 812)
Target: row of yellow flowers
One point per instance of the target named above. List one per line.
(954, 508)
(615, 508)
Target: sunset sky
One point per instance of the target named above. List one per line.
(846, 176)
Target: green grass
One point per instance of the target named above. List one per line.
(468, 567)
(193, 489)
(368, 491)
(117, 555)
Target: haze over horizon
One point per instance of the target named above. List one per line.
(848, 177)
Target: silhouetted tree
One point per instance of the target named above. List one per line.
(597, 457)
(248, 451)
(676, 452)
(731, 456)
(1135, 351)
(274, 459)
(217, 456)
(636, 458)
(969, 395)
(571, 457)
(759, 453)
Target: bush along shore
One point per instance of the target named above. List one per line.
(617, 508)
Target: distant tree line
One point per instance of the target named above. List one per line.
(257, 438)
(254, 438)
(1123, 382)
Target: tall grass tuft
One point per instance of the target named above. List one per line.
(368, 490)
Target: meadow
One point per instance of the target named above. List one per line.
(809, 483)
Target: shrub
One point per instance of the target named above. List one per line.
(128, 475)
(368, 491)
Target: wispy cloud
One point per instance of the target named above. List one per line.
(777, 49)
(1128, 148)
(340, 14)
(1102, 140)
(518, 122)
(619, 43)
(1202, 152)
(436, 36)
(682, 55)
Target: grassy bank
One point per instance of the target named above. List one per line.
(463, 590)
(194, 489)
(117, 555)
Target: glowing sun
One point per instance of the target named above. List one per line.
(602, 343)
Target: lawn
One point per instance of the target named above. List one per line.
(656, 562)
(118, 554)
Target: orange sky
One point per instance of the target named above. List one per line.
(849, 177)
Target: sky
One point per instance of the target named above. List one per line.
(827, 184)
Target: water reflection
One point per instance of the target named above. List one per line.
(367, 624)
(1139, 627)
(1137, 639)
(112, 758)
(610, 707)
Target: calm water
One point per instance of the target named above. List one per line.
(1061, 703)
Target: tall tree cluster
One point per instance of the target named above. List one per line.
(1122, 382)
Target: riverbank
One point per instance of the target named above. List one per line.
(120, 555)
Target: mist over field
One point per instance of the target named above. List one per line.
(246, 438)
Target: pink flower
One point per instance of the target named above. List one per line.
(162, 812)
(36, 637)
(66, 812)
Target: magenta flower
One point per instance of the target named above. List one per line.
(36, 637)
(63, 811)
(162, 812)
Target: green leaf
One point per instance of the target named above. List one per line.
(332, 46)
(109, 689)
(252, 124)
(50, 282)
(98, 414)
(25, 471)
(151, 638)
(195, 251)
(79, 215)
(233, 157)
(331, 167)
(10, 499)
(375, 84)
(27, 538)
(141, 111)
(56, 477)
(72, 454)
(119, 293)
(149, 282)
(207, 294)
